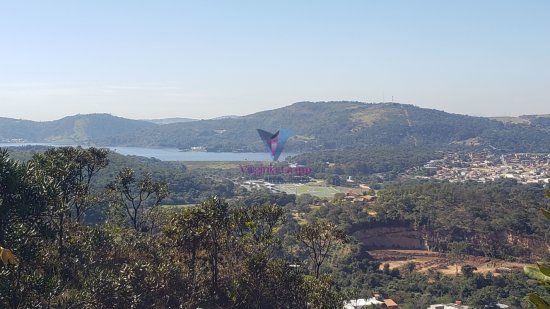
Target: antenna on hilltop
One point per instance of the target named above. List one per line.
(392, 99)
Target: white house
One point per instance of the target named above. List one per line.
(362, 303)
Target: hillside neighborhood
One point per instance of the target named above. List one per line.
(525, 168)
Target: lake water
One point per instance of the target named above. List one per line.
(174, 154)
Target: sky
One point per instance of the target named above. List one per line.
(205, 59)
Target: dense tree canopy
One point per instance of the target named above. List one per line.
(247, 252)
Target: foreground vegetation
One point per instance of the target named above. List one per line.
(248, 252)
(211, 255)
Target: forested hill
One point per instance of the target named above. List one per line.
(316, 126)
(78, 129)
(340, 125)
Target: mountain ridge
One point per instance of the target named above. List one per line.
(316, 126)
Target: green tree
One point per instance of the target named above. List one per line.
(256, 224)
(88, 163)
(206, 232)
(23, 232)
(485, 297)
(468, 270)
(319, 239)
(321, 292)
(410, 267)
(65, 175)
(188, 230)
(21, 202)
(456, 253)
(137, 197)
(218, 234)
(540, 272)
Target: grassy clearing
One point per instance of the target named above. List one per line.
(425, 260)
(514, 120)
(223, 165)
(313, 188)
(375, 114)
(368, 118)
(176, 206)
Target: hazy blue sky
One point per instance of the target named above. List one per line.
(202, 59)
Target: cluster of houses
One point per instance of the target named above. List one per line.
(359, 197)
(260, 184)
(376, 301)
(13, 140)
(485, 166)
(379, 302)
(365, 196)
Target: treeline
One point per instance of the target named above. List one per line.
(185, 187)
(363, 162)
(413, 289)
(488, 217)
(353, 269)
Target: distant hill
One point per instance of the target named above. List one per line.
(226, 117)
(316, 126)
(169, 120)
(12, 129)
(341, 125)
(533, 120)
(79, 129)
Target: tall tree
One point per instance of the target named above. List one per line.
(188, 231)
(457, 249)
(89, 163)
(218, 234)
(137, 197)
(65, 175)
(10, 187)
(23, 231)
(256, 224)
(320, 238)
